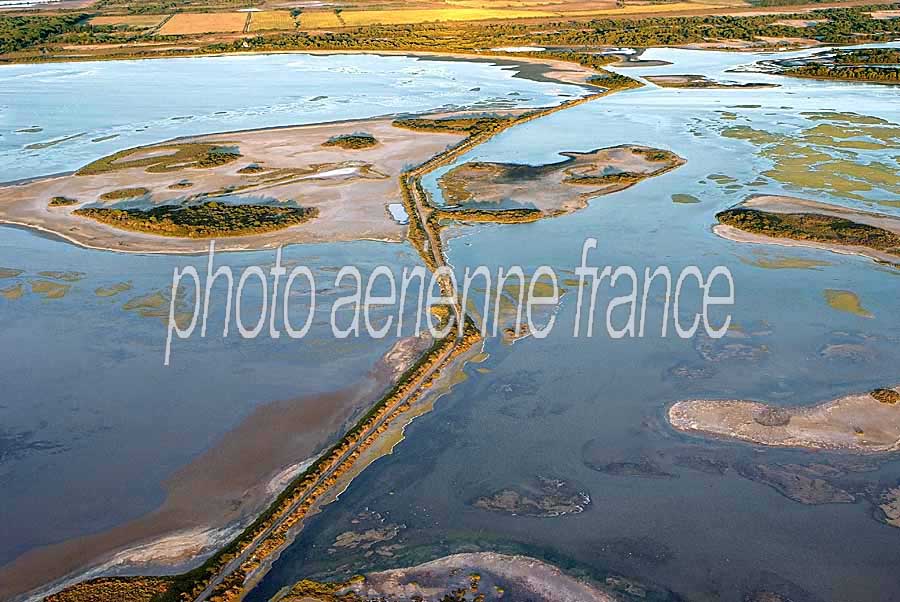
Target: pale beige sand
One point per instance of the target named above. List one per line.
(786, 204)
(855, 423)
(885, 14)
(350, 188)
(226, 487)
(522, 575)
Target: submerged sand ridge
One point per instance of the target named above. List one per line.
(864, 423)
(235, 479)
(348, 189)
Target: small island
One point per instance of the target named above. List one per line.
(541, 497)
(791, 221)
(865, 423)
(481, 575)
(702, 82)
(352, 141)
(551, 189)
(156, 198)
(207, 220)
(873, 65)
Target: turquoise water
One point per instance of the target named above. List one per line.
(96, 108)
(555, 407)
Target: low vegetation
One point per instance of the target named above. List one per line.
(355, 141)
(340, 30)
(120, 589)
(869, 56)
(164, 158)
(501, 216)
(62, 201)
(465, 125)
(124, 193)
(888, 396)
(811, 227)
(888, 75)
(614, 81)
(209, 220)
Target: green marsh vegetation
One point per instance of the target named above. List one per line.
(811, 227)
(208, 220)
(62, 201)
(878, 65)
(124, 193)
(165, 158)
(355, 141)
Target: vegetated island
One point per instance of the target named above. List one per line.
(233, 569)
(156, 199)
(866, 423)
(874, 65)
(702, 82)
(207, 220)
(519, 192)
(352, 141)
(791, 221)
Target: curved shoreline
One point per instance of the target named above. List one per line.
(786, 205)
(859, 424)
(247, 557)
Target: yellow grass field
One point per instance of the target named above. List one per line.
(504, 3)
(483, 10)
(189, 23)
(271, 19)
(131, 21)
(639, 9)
(319, 20)
(353, 18)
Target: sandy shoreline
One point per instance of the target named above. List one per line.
(350, 188)
(853, 423)
(265, 448)
(360, 213)
(236, 479)
(518, 576)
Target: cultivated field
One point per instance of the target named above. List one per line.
(488, 10)
(319, 20)
(271, 19)
(130, 21)
(191, 23)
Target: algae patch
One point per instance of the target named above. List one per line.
(13, 292)
(112, 290)
(846, 301)
(49, 289)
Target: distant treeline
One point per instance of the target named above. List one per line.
(17, 33)
(869, 56)
(850, 72)
(841, 25)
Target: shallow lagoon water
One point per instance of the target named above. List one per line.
(82, 111)
(88, 412)
(549, 407)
